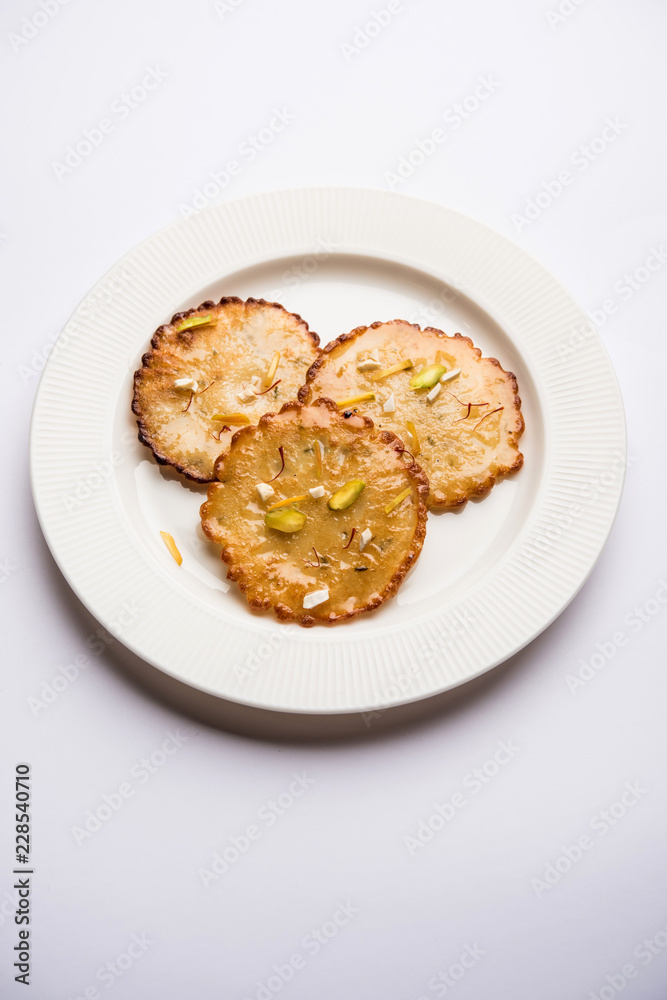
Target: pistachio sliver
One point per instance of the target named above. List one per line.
(231, 418)
(289, 500)
(346, 495)
(412, 431)
(376, 376)
(399, 499)
(192, 321)
(287, 520)
(273, 367)
(363, 397)
(427, 377)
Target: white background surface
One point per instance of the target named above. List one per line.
(343, 841)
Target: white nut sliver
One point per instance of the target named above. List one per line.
(316, 492)
(246, 395)
(366, 536)
(265, 491)
(434, 393)
(448, 376)
(255, 381)
(368, 366)
(187, 383)
(375, 355)
(315, 598)
(390, 404)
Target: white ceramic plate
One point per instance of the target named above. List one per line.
(489, 579)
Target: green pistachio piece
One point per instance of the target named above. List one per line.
(427, 377)
(288, 519)
(193, 321)
(346, 495)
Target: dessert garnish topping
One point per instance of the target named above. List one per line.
(192, 321)
(282, 463)
(231, 418)
(376, 376)
(287, 520)
(399, 499)
(427, 377)
(412, 431)
(361, 398)
(366, 536)
(497, 410)
(171, 545)
(352, 534)
(316, 597)
(288, 501)
(346, 495)
(268, 378)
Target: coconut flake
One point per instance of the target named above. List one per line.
(366, 536)
(187, 383)
(246, 395)
(316, 597)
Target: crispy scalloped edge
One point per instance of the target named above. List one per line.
(157, 342)
(484, 488)
(237, 572)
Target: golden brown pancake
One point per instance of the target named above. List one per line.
(464, 434)
(342, 561)
(233, 361)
